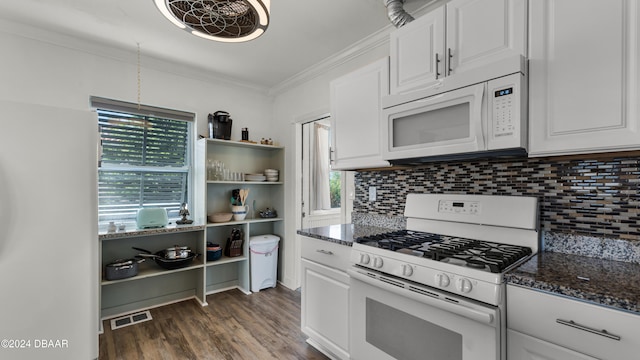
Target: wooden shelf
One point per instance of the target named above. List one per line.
(226, 260)
(246, 221)
(243, 144)
(245, 182)
(146, 271)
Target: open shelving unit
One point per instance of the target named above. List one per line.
(154, 286)
(214, 196)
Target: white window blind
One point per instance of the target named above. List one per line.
(145, 161)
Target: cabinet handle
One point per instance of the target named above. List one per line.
(450, 57)
(437, 66)
(326, 252)
(573, 324)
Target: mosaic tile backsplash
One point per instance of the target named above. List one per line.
(596, 197)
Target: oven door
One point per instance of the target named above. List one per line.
(394, 319)
(453, 122)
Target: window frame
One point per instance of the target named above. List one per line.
(156, 112)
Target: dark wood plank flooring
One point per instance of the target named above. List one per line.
(263, 325)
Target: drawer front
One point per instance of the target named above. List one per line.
(586, 328)
(326, 253)
(525, 347)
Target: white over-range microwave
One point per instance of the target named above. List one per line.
(481, 113)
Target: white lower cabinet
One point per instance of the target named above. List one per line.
(325, 296)
(525, 347)
(544, 326)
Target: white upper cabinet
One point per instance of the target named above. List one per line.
(584, 74)
(457, 37)
(480, 32)
(355, 117)
(417, 53)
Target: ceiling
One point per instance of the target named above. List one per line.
(302, 33)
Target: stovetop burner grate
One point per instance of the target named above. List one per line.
(490, 256)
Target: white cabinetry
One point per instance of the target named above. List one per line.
(213, 196)
(460, 36)
(325, 296)
(545, 326)
(584, 74)
(355, 117)
(525, 347)
(417, 53)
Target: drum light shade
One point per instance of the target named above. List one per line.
(219, 20)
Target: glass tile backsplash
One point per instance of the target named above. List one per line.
(595, 196)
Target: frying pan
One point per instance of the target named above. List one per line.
(169, 264)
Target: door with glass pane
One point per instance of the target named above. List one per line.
(323, 200)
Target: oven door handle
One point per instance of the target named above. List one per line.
(440, 303)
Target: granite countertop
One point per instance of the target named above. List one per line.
(342, 234)
(133, 232)
(610, 283)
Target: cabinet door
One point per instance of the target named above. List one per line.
(524, 347)
(355, 117)
(584, 74)
(417, 53)
(480, 32)
(325, 307)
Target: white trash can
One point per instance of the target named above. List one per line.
(264, 261)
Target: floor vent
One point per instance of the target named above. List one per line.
(130, 319)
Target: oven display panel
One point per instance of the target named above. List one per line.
(459, 207)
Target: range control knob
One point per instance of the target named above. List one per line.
(377, 262)
(464, 285)
(364, 259)
(407, 270)
(442, 280)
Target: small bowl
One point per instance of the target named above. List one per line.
(272, 178)
(214, 255)
(220, 217)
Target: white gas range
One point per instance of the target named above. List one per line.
(439, 284)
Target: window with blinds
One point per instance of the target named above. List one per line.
(145, 160)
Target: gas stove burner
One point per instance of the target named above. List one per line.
(401, 239)
(484, 255)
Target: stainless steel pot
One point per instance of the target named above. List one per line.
(177, 252)
(122, 268)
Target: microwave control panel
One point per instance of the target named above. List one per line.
(503, 112)
(507, 112)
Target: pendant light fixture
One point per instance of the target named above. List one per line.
(219, 20)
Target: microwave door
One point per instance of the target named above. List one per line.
(448, 123)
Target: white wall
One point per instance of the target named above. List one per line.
(53, 72)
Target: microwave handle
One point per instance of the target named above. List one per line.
(482, 97)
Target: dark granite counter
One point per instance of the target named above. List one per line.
(342, 234)
(604, 282)
(133, 232)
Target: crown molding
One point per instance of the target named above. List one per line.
(373, 41)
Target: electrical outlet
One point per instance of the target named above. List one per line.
(372, 193)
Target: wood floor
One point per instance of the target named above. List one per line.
(263, 325)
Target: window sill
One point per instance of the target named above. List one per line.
(134, 232)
